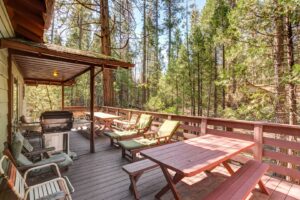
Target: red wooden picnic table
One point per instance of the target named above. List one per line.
(193, 156)
(105, 119)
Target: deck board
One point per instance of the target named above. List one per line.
(99, 176)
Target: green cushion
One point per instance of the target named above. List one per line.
(68, 161)
(136, 143)
(23, 160)
(17, 144)
(167, 128)
(27, 145)
(144, 121)
(118, 134)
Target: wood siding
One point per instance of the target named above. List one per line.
(4, 94)
(6, 29)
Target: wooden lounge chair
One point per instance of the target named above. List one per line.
(130, 148)
(126, 124)
(57, 188)
(23, 158)
(140, 128)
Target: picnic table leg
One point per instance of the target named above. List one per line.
(171, 184)
(227, 166)
(263, 188)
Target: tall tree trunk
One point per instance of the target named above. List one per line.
(169, 31)
(280, 116)
(80, 30)
(215, 86)
(292, 89)
(223, 87)
(52, 28)
(108, 89)
(291, 62)
(144, 92)
(209, 92)
(199, 69)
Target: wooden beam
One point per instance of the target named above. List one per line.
(39, 49)
(43, 56)
(10, 99)
(26, 12)
(36, 81)
(36, 5)
(28, 25)
(28, 34)
(73, 77)
(92, 102)
(62, 96)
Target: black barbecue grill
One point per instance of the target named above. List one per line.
(56, 121)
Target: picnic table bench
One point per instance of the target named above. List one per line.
(135, 171)
(241, 183)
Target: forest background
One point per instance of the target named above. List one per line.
(221, 58)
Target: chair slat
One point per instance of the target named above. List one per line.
(44, 190)
(49, 188)
(36, 193)
(22, 186)
(17, 183)
(41, 191)
(31, 195)
(56, 186)
(53, 188)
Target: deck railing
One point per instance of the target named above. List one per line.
(277, 144)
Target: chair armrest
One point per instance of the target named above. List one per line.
(57, 195)
(41, 167)
(40, 151)
(164, 139)
(150, 134)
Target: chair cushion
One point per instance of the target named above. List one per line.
(144, 121)
(117, 134)
(27, 145)
(167, 128)
(136, 143)
(68, 161)
(17, 144)
(23, 160)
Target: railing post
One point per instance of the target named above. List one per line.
(203, 127)
(258, 139)
(169, 117)
(129, 115)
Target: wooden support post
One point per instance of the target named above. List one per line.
(203, 126)
(258, 139)
(10, 98)
(129, 115)
(92, 102)
(62, 96)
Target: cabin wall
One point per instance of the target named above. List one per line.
(3, 97)
(17, 76)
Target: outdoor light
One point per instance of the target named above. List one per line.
(55, 73)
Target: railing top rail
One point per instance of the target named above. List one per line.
(210, 120)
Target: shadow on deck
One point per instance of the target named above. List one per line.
(100, 176)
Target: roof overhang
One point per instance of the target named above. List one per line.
(38, 61)
(30, 18)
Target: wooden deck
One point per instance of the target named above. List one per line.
(99, 176)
